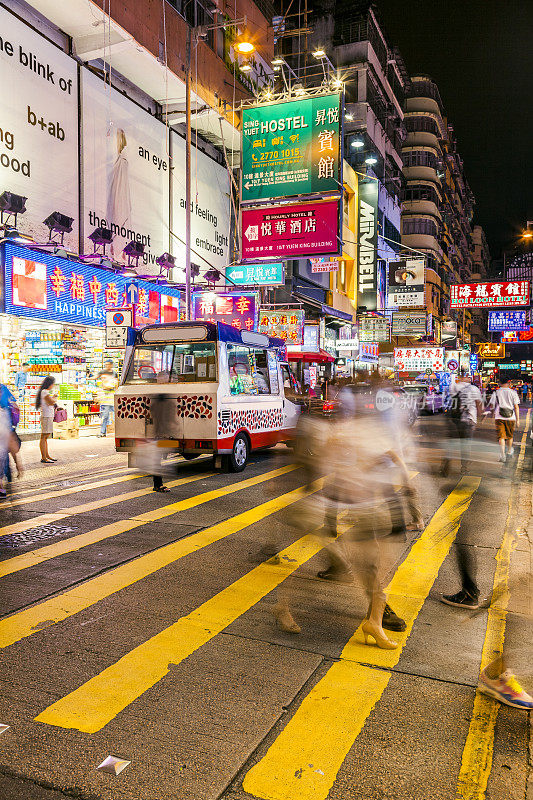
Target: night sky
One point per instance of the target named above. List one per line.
(480, 54)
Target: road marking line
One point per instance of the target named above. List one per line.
(94, 505)
(305, 758)
(94, 704)
(476, 762)
(85, 487)
(41, 554)
(49, 612)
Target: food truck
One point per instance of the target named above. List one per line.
(204, 387)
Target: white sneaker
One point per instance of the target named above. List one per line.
(511, 452)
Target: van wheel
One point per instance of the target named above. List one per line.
(238, 457)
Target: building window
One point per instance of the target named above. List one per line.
(426, 227)
(421, 125)
(421, 192)
(392, 234)
(419, 158)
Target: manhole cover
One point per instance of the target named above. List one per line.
(35, 535)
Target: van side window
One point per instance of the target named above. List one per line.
(248, 370)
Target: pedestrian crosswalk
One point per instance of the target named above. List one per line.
(303, 755)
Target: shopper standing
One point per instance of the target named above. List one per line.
(525, 391)
(504, 404)
(21, 379)
(46, 404)
(107, 383)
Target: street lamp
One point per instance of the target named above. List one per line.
(319, 53)
(243, 47)
(371, 160)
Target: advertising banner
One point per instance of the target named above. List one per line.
(406, 283)
(374, 329)
(238, 309)
(368, 352)
(210, 208)
(418, 359)
(488, 295)
(291, 148)
(508, 321)
(47, 287)
(290, 231)
(266, 274)
(367, 244)
(323, 265)
(287, 325)
(409, 323)
(38, 128)
(449, 333)
(518, 336)
(126, 173)
(491, 350)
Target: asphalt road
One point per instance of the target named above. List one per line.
(139, 625)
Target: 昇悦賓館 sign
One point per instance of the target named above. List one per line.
(490, 295)
(291, 148)
(291, 231)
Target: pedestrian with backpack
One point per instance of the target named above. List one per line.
(464, 406)
(504, 404)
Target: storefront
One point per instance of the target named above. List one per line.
(53, 319)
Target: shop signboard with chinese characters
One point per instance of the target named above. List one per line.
(374, 329)
(291, 231)
(510, 365)
(368, 352)
(406, 283)
(419, 359)
(48, 287)
(238, 309)
(409, 323)
(367, 244)
(267, 274)
(490, 295)
(323, 265)
(292, 148)
(508, 321)
(491, 350)
(518, 336)
(283, 324)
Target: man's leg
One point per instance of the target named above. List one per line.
(104, 416)
(466, 434)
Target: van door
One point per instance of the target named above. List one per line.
(292, 398)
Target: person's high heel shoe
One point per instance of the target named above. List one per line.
(285, 620)
(378, 634)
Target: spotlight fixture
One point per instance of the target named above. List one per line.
(337, 83)
(278, 61)
(212, 275)
(268, 94)
(277, 68)
(358, 142)
(58, 224)
(10, 205)
(129, 272)
(245, 68)
(371, 159)
(195, 270)
(348, 117)
(245, 48)
(319, 53)
(100, 238)
(165, 262)
(134, 250)
(298, 89)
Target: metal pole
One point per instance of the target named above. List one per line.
(188, 175)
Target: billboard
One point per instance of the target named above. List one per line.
(409, 323)
(419, 359)
(39, 128)
(508, 321)
(367, 244)
(267, 274)
(491, 350)
(368, 352)
(406, 283)
(48, 287)
(291, 148)
(290, 231)
(489, 295)
(210, 207)
(374, 329)
(518, 336)
(323, 265)
(126, 172)
(238, 309)
(283, 324)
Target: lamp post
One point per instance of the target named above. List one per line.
(243, 47)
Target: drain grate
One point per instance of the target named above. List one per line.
(35, 535)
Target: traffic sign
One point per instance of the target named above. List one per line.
(132, 293)
(452, 365)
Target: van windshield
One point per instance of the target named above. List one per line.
(190, 362)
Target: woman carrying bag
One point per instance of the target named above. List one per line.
(46, 404)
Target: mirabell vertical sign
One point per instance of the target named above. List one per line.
(292, 148)
(367, 244)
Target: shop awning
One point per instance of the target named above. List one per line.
(320, 357)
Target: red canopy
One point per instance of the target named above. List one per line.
(320, 357)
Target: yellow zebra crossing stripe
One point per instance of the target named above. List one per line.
(56, 609)
(41, 554)
(305, 758)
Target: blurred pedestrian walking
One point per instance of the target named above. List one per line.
(504, 404)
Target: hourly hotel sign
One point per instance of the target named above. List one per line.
(291, 148)
(291, 231)
(490, 295)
